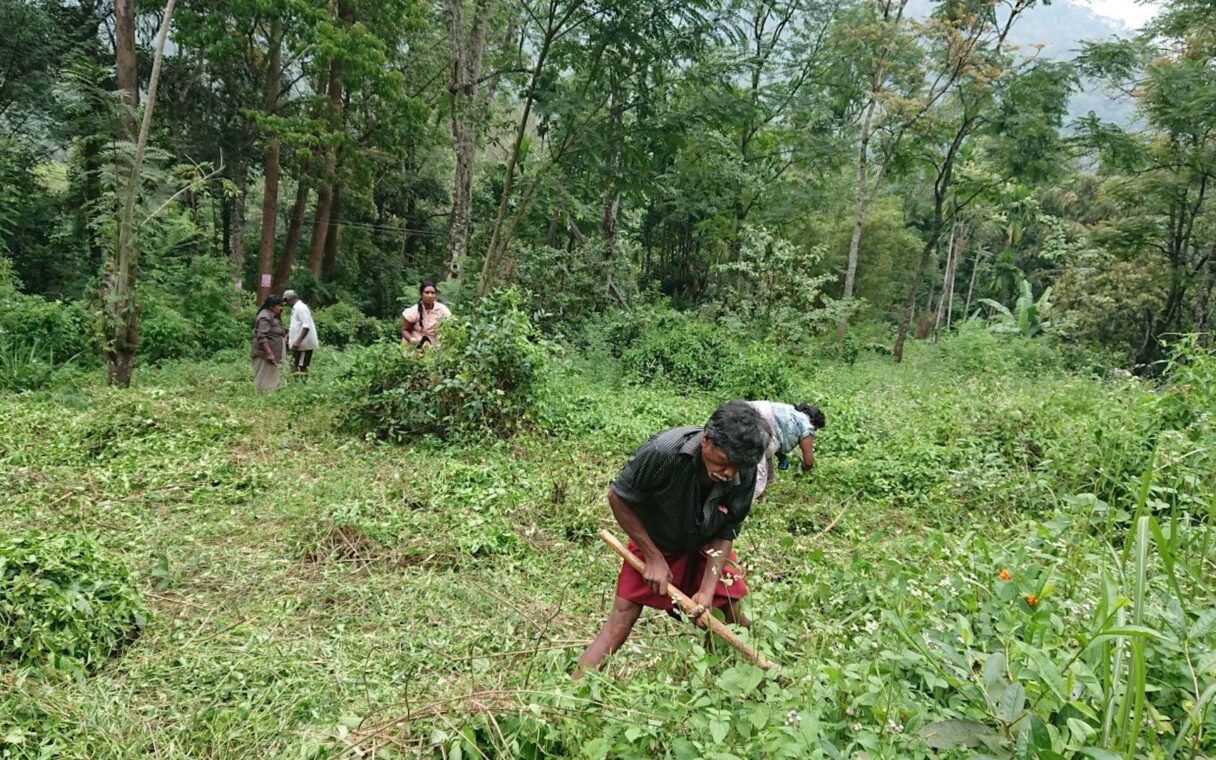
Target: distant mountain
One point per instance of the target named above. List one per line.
(1061, 28)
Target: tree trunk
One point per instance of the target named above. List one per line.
(283, 271)
(612, 193)
(975, 268)
(859, 202)
(496, 249)
(329, 261)
(120, 311)
(321, 222)
(320, 227)
(905, 321)
(236, 253)
(945, 304)
(270, 171)
(466, 54)
(126, 62)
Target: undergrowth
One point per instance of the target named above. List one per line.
(1007, 564)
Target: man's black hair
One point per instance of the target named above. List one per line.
(814, 413)
(739, 431)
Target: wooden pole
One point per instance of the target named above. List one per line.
(689, 607)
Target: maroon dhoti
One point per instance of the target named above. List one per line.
(687, 570)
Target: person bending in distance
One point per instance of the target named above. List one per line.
(682, 499)
(789, 427)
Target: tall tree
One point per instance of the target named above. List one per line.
(971, 37)
(121, 311)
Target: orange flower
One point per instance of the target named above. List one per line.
(1005, 575)
(1032, 600)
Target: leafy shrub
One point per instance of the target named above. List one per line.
(680, 350)
(568, 287)
(163, 331)
(772, 289)
(344, 325)
(483, 376)
(65, 604)
(976, 350)
(59, 330)
(23, 367)
(761, 371)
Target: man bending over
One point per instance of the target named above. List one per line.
(682, 499)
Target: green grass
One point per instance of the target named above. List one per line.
(313, 594)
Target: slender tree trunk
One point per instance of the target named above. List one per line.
(892, 14)
(947, 296)
(321, 223)
(859, 202)
(612, 193)
(975, 268)
(329, 262)
(236, 253)
(126, 62)
(497, 246)
(325, 195)
(960, 250)
(466, 54)
(120, 309)
(320, 227)
(298, 209)
(270, 170)
(905, 321)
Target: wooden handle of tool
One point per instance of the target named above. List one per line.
(688, 606)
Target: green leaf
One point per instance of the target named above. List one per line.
(1080, 730)
(1012, 702)
(718, 729)
(596, 749)
(741, 680)
(683, 749)
(994, 673)
(958, 732)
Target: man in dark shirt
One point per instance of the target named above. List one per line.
(682, 499)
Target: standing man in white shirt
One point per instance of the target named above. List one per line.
(302, 335)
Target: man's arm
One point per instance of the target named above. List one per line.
(808, 453)
(303, 334)
(657, 573)
(717, 552)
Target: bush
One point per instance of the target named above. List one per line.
(60, 331)
(22, 367)
(759, 372)
(483, 376)
(344, 325)
(976, 350)
(566, 288)
(65, 605)
(163, 332)
(679, 350)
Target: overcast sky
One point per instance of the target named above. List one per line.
(1130, 12)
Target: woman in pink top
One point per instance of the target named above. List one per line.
(420, 322)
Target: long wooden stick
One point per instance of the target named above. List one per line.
(689, 607)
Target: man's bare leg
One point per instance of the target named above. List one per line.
(611, 636)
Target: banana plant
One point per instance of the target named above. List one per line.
(1028, 317)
